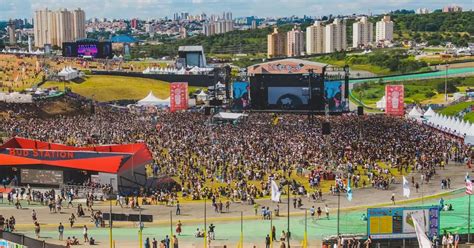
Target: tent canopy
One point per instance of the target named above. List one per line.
(151, 99)
(429, 113)
(415, 113)
(229, 116)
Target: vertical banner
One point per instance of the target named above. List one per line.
(394, 95)
(178, 96)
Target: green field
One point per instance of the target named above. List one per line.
(360, 67)
(456, 108)
(110, 88)
(420, 91)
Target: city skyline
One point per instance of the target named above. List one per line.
(127, 9)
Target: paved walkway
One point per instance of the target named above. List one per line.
(255, 229)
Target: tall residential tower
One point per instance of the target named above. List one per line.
(384, 30)
(56, 27)
(315, 38)
(335, 36)
(362, 33)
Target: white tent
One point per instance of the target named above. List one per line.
(429, 113)
(202, 96)
(16, 97)
(151, 99)
(68, 73)
(382, 103)
(415, 113)
(229, 116)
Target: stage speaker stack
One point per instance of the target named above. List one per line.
(215, 102)
(326, 128)
(207, 110)
(360, 110)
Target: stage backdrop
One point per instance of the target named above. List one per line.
(178, 96)
(240, 94)
(394, 95)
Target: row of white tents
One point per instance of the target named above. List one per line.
(182, 71)
(448, 124)
(68, 73)
(15, 97)
(14, 51)
(452, 125)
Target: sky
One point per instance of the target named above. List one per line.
(263, 8)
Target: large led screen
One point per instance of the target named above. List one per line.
(288, 97)
(87, 50)
(333, 94)
(48, 177)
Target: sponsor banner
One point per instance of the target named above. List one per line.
(178, 96)
(56, 155)
(385, 223)
(394, 95)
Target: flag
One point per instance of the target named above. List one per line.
(349, 190)
(468, 185)
(275, 192)
(423, 240)
(276, 120)
(406, 188)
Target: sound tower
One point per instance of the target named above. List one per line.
(207, 110)
(360, 110)
(326, 127)
(215, 102)
(316, 85)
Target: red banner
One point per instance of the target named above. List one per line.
(178, 96)
(394, 96)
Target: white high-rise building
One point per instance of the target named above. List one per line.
(335, 36)
(315, 38)
(218, 27)
(79, 24)
(56, 27)
(384, 30)
(295, 42)
(421, 11)
(362, 33)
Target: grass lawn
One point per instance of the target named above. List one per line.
(360, 67)
(420, 91)
(469, 117)
(456, 108)
(109, 88)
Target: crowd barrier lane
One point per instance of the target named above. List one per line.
(27, 241)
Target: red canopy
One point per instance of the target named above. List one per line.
(107, 158)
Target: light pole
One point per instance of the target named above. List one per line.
(205, 222)
(171, 228)
(288, 217)
(446, 82)
(338, 209)
(110, 214)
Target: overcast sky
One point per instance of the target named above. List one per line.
(264, 8)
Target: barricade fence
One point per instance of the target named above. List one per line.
(27, 241)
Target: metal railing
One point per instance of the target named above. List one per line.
(27, 241)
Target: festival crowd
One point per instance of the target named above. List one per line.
(240, 159)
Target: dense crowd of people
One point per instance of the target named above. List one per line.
(240, 158)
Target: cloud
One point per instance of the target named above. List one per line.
(160, 8)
